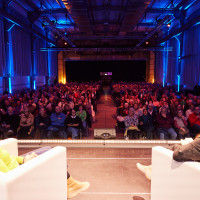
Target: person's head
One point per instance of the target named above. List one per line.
(42, 111)
(145, 112)
(150, 107)
(57, 110)
(131, 112)
(79, 102)
(135, 106)
(26, 111)
(126, 105)
(192, 107)
(196, 110)
(10, 110)
(190, 102)
(163, 111)
(178, 107)
(73, 113)
(80, 108)
(179, 113)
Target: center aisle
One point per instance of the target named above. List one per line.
(105, 112)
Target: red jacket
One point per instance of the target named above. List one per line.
(193, 119)
(164, 122)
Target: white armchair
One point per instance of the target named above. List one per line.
(172, 180)
(43, 178)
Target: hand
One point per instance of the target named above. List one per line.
(41, 124)
(2, 125)
(183, 117)
(141, 123)
(7, 126)
(186, 141)
(29, 157)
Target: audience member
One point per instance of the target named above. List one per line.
(74, 124)
(57, 124)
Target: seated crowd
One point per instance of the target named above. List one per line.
(57, 111)
(150, 111)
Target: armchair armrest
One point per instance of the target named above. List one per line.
(172, 180)
(44, 178)
(10, 145)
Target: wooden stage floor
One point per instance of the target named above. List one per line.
(111, 172)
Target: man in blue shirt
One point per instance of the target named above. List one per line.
(57, 124)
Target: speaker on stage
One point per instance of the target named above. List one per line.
(104, 133)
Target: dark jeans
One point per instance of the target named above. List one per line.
(195, 130)
(166, 134)
(133, 134)
(149, 131)
(23, 132)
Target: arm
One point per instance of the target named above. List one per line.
(176, 125)
(3, 167)
(188, 152)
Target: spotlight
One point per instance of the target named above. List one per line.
(169, 24)
(43, 25)
(147, 42)
(65, 43)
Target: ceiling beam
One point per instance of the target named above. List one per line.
(26, 27)
(59, 32)
(136, 37)
(109, 49)
(158, 27)
(181, 29)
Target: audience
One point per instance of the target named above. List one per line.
(146, 124)
(9, 123)
(26, 124)
(131, 125)
(162, 103)
(41, 105)
(57, 124)
(154, 106)
(194, 120)
(74, 125)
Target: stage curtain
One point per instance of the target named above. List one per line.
(41, 57)
(2, 48)
(159, 67)
(53, 63)
(190, 74)
(21, 51)
(172, 64)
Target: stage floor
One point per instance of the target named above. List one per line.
(112, 172)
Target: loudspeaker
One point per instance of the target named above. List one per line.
(104, 133)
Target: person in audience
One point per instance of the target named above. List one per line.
(57, 124)
(194, 120)
(9, 162)
(131, 125)
(74, 125)
(83, 116)
(180, 124)
(146, 124)
(189, 111)
(138, 112)
(31, 107)
(9, 123)
(42, 122)
(26, 124)
(164, 125)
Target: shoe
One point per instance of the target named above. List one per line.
(138, 198)
(146, 170)
(74, 187)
